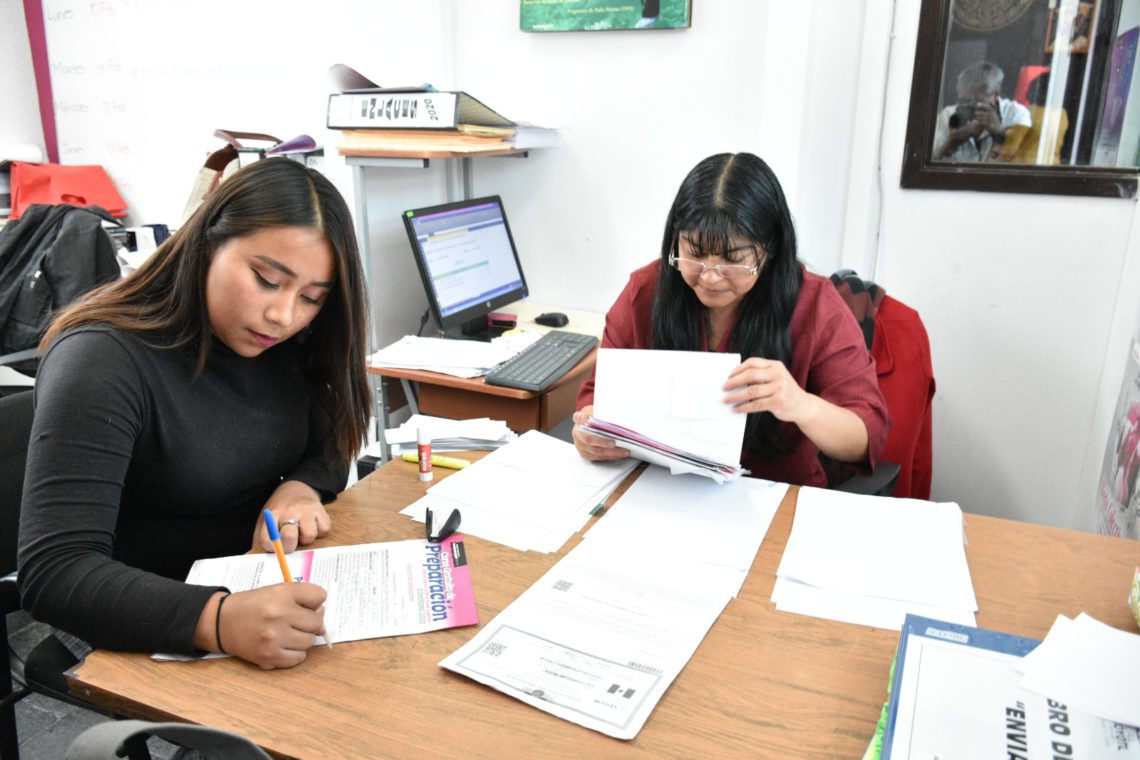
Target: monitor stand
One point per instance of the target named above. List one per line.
(474, 329)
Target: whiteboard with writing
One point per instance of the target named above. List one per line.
(140, 85)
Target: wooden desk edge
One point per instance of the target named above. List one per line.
(441, 153)
(479, 383)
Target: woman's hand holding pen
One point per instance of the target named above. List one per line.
(272, 627)
(592, 447)
(301, 517)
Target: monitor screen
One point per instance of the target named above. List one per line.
(467, 259)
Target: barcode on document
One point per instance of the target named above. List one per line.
(644, 668)
(563, 585)
(493, 648)
(388, 109)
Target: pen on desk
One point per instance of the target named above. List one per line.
(275, 538)
(438, 460)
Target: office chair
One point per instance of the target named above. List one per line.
(105, 741)
(15, 429)
(36, 673)
(897, 340)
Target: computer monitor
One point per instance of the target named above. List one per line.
(468, 262)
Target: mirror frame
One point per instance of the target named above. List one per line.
(920, 172)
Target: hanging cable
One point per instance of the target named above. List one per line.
(874, 262)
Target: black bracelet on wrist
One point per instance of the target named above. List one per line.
(218, 624)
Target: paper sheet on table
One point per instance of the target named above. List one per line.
(902, 549)
(590, 646)
(956, 696)
(691, 517)
(538, 452)
(674, 397)
(1089, 665)
(799, 598)
(532, 494)
(391, 588)
(543, 537)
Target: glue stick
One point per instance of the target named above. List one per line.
(423, 447)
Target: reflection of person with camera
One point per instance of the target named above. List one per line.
(982, 122)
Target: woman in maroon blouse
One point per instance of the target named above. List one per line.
(728, 280)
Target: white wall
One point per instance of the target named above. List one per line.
(20, 116)
(146, 108)
(1029, 300)
(1026, 303)
(639, 109)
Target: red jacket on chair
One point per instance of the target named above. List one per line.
(901, 351)
(902, 361)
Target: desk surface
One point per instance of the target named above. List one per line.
(763, 683)
(479, 384)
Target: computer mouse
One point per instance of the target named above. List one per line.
(552, 319)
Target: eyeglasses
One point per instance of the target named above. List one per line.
(727, 271)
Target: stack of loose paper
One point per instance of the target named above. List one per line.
(461, 358)
(667, 408)
(1089, 666)
(481, 434)
(956, 694)
(870, 560)
(597, 641)
(532, 494)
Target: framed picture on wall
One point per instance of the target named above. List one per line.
(603, 15)
(958, 66)
(1078, 34)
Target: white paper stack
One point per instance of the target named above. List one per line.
(1089, 666)
(532, 494)
(460, 358)
(481, 434)
(870, 560)
(667, 408)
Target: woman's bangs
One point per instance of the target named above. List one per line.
(712, 234)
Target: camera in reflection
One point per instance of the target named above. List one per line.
(963, 113)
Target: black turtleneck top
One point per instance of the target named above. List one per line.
(137, 467)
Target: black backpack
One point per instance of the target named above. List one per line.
(49, 257)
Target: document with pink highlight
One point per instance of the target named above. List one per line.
(383, 589)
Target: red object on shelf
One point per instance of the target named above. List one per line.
(54, 184)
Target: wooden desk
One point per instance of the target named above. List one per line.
(762, 684)
(465, 398)
(461, 398)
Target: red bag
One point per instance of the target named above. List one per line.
(54, 184)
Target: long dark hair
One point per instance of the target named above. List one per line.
(164, 300)
(730, 196)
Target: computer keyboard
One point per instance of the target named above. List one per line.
(544, 362)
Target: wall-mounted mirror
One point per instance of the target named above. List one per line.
(1026, 96)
